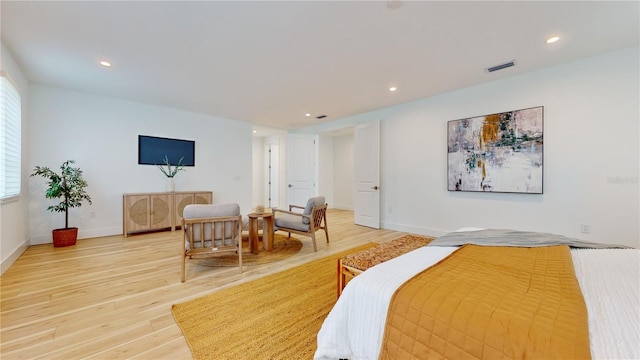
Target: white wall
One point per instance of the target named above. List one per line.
(326, 174)
(101, 134)
(343, 169)
(14, 220)
(591, 154)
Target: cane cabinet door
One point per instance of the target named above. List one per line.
(183, 199)
(160, 211)
(146, 212)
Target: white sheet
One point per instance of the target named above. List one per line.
(610, 283)
(609, 279)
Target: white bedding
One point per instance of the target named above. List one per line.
(610, 283)
(609, 279)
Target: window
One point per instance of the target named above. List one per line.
(10, 138)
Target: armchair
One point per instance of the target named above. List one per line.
(312, 219)
(210, 231)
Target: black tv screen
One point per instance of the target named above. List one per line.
(152, 151)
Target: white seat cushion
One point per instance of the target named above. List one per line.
(289, 221)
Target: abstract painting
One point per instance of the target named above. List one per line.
(496, 153)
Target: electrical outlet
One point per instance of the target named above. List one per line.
(92, 214)
(585, 228)
(390, 209)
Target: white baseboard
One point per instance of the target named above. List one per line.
(342, 207)
(46, 238)
(6, 263)
(116, 230)
(414, 229)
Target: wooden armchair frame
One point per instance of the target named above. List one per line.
(317, 221)
(205, 244)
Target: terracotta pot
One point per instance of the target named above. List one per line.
(65, 237)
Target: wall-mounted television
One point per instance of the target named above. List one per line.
(152, 150)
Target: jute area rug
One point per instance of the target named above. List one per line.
(283, 247)
(275, 317)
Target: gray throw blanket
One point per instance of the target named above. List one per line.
(503, 237)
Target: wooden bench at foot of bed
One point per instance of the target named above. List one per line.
(354, 264)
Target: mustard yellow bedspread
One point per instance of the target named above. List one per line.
(486, 302)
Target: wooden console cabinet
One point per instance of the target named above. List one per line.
(158, 211)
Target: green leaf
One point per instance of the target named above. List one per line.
(68, 185)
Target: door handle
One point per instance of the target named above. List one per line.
(290, 185)
(375, 187)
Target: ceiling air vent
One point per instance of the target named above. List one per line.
(321, 116)
(501, 66)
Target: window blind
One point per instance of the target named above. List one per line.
(10, 138)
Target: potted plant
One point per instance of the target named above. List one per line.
(171, 171)
(70, 186)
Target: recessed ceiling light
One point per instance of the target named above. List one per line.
(393, 88)
(307, 114)
(105, 63)
(255, 131)
(553, 39)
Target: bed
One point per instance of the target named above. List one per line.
(608, 278)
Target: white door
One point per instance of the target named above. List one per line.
(366, 163)
(301, 168)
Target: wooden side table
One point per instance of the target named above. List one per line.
(267, 231)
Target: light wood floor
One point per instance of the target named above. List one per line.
(111, 297)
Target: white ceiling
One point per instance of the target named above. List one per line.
(269, 63)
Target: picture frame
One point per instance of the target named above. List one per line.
(501, 152)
